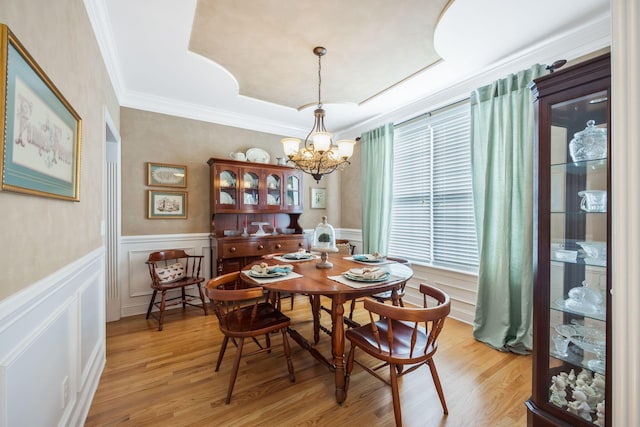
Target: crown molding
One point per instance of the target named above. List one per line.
(173, 107)
(99, 19)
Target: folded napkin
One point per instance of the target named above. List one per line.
(368, 273)
(263, 268)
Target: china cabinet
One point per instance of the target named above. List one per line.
(255, 210)
(571, 313)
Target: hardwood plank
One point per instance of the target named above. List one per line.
(167, 378)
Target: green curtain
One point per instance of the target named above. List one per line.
(377, 180)
(502, 132)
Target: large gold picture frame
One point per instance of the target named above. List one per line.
(40, 131)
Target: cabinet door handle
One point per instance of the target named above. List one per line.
(300, 245)
(278, 246)
(260, 246)
(232, 249)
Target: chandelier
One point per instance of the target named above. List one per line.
(318, 156)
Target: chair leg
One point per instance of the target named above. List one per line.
(315, 312)
(278, 301)
(163, 304)
(353, 307)
(436, 381)
(204, 304)
(349, 367)
(395, 394)
(268, 340)
(287, 353)
(184, 298)
(234, 371)
(223, 348)
(153, 298)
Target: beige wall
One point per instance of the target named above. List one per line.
(41, 235)
(159, 138)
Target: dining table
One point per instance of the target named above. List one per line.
(306, 278)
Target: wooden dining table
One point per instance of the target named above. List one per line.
(318, 282)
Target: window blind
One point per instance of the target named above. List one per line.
(432, 213)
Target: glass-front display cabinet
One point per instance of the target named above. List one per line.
(571, 313)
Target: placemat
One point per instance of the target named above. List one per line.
(372, 264)
(358, 285)
(267, 280)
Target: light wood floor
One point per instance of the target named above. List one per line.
(167, 379)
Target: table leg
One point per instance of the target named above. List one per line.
(395, 300)
(337, 307)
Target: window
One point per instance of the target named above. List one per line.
(432, 219)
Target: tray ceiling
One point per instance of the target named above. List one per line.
(250, 64)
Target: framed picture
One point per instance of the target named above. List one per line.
(40, 131)
(163, 175)
(167, 204)
(318, 198)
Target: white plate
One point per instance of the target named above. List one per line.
(368, 258)
(271, 200)
(226, 199)
(258, 155)
(272, 183)
(227, 179)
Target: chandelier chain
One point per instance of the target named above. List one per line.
(319, 80)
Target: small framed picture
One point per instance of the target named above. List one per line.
(167, 204)
(164, 175)
(318, 198)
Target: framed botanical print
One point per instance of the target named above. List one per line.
(164, 175)
(167, 204)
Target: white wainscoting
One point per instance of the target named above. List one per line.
(52, 346)
(461, 287)
(135, 292)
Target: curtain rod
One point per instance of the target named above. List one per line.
(432, 112)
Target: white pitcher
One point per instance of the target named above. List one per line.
(238, 156)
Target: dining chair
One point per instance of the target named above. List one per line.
(345, 247)
(174, 269)
(239, 320)
(402, 337)
(387, 295)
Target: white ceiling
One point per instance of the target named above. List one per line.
(379, 59)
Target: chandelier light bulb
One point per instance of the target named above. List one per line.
(291, 146)
(345, 147)
(321, 141)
